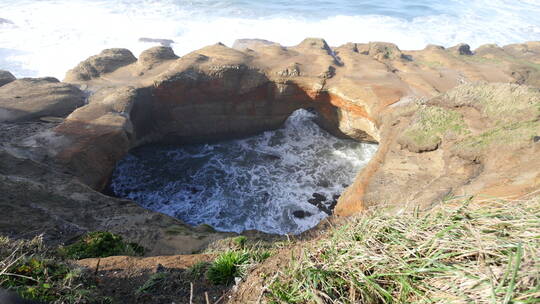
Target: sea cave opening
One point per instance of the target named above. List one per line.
(283, 181)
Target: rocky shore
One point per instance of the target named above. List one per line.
(448, 121)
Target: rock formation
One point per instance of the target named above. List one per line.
(31, 98)
(6, 77)
(439, 116)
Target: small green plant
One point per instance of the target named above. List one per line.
(240, 241)
(228, 266)
(101, 244)
(152, 283)
(37, 272)
(197, 270)
(259, 256)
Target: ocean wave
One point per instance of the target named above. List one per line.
(46, 38)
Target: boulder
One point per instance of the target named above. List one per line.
(244, 44)
(156, 55)
(31, 98)
(6, 77)
(381, 50)
(106, 62)
(461, 49)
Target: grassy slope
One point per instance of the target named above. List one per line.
(488, 252)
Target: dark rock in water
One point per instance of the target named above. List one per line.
(8, 297)
(461, 49)
(536, 139)
(324, 209)
(319, 197)
(270, 156)
(333, 205)
(318, 203)
(335, 197)
(313, 201)
(323, 184)
(163, 42)
(301, 214)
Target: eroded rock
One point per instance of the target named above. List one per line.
(6, 77)
(156, 55)
(437, 138)
(107, 61)
(31, 98)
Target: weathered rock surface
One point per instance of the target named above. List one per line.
(442, 116)
(6, 77)
(31, 98)
(107, 61)
(476, 139)
(37, 199)
(156, 55)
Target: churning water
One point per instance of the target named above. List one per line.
(48, 37)
(263, 182)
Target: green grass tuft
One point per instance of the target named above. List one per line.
(240, 241)
(228, 266)
(101, 244)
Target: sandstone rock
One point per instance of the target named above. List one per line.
(107, 61)
(316, 44)
(156, 55)
(243, 44)
(483, 147)
(381, 50)
(6, 77)
(432, 143)
(432, 47)
(247, 92)
(31, 98)
(43, 201)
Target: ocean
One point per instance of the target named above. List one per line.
(48, 37)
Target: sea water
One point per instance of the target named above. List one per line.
(48, 37)
(254, 183)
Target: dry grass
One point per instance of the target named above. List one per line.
(501, 103)
(461, 252)
(430, 124)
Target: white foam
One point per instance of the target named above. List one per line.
(254, 183)
(49, 37)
